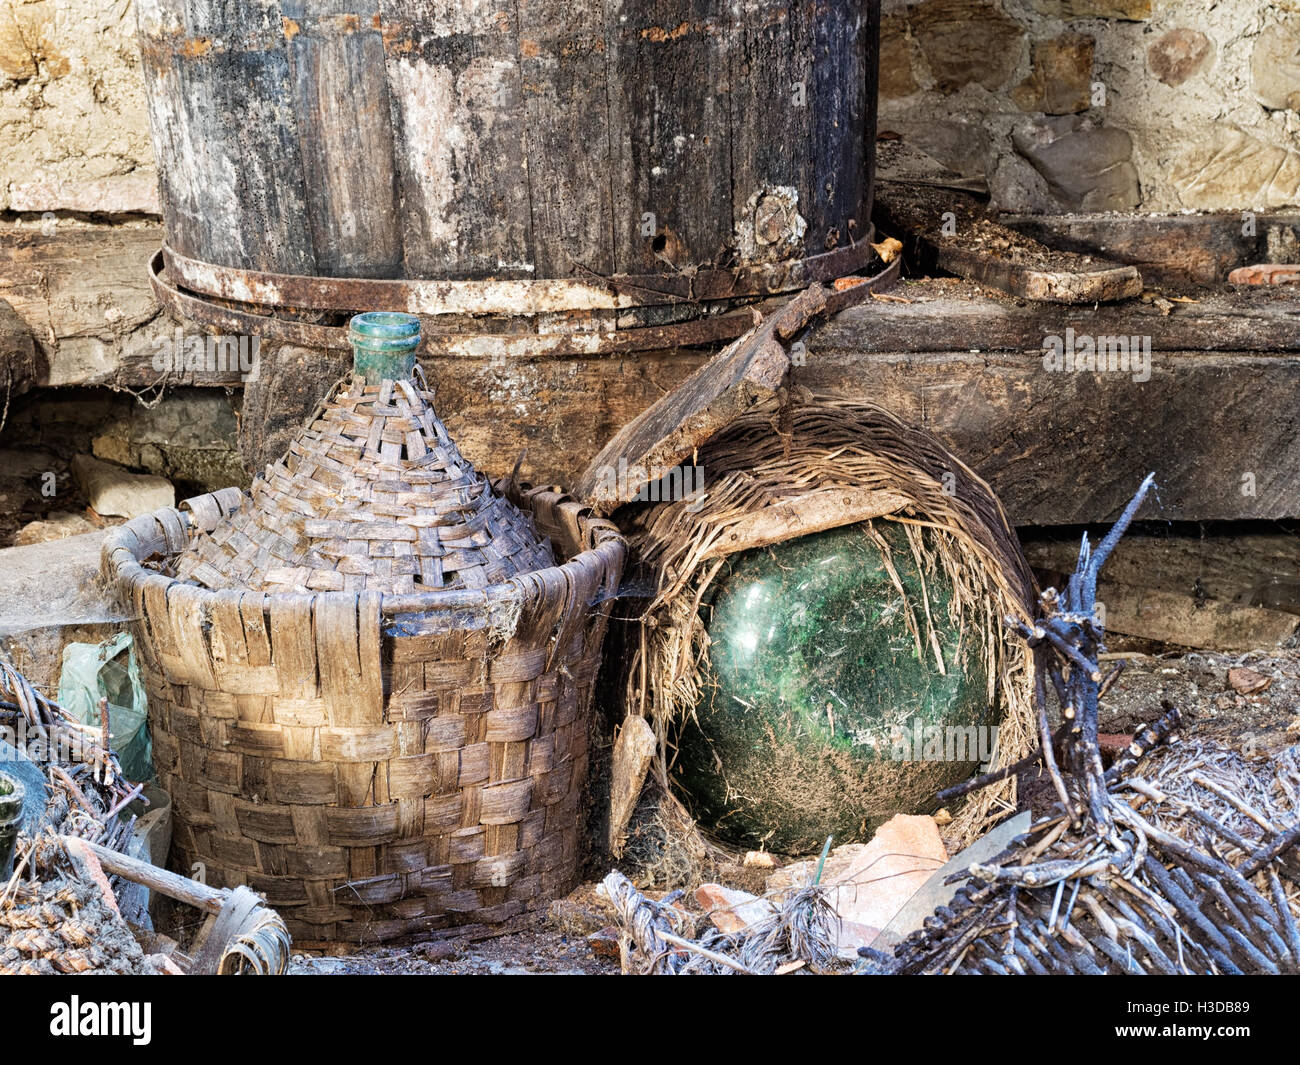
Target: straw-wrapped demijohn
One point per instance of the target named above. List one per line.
(373, 494)
(370, 678)
(825, 644)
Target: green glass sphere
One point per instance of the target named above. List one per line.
(819, 716)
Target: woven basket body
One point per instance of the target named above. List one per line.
(375, 763)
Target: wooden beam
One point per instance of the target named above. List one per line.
(83, 294)
(1186, 621)
(1221, 432)
(1251, 567)
(948, 314)
(1175, 250)
(954, 232)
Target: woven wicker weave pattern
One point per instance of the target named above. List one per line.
(372, 495)
(376, 765)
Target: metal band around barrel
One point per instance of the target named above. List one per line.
(429, 298)
(227, 316)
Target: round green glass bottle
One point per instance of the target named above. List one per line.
(819, 715)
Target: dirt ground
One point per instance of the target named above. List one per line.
(543, 951)
(1198, 684)
(548, 944)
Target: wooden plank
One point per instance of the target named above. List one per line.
(237, 104)
(952, 315)
(1176, 250)
(805, 514)
(459, 126)
(954, 232)
(664, 435)
(1266, 274)
(1070, 448)
(336, 62)
(84, 295)
(772, 53)
(1252, 567)
(563, 59)
(634, 749)
(669, 130)
(181, 185)
(842, 71)
(1186, 621)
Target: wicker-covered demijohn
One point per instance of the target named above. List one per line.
(372, 495)
(369, 681)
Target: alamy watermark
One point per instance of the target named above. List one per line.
(944, 743)
(204, 353)
(68, 747)
(121, 1020)
(654, 484)
(1078, 352)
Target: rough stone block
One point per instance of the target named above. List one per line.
(1060, 77)
(967, 42)
(114, 491)
(1087, 167)
(1178, 54)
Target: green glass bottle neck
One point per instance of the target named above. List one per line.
(384, 344)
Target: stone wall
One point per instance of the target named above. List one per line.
(74, 132)
(1095, 105)
(1056, 104)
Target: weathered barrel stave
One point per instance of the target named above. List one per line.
(549, 139)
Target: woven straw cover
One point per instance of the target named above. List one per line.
(372, 496)
(375, 764)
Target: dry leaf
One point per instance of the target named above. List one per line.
(1158, 301)
(842, 283)
(1247, 682)
(888, 249)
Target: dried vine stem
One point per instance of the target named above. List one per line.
(1132, 872)
(801, 931)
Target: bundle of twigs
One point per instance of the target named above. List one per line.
(1104, 884)
(78, 758)
(58, 912)
(1196, 787)
(798, 934)
(51, 918)
(57, 920)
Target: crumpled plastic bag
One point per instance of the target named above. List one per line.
(108, 670)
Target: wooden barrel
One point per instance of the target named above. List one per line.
(586, 164)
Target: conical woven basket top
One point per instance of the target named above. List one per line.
(371, 496)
